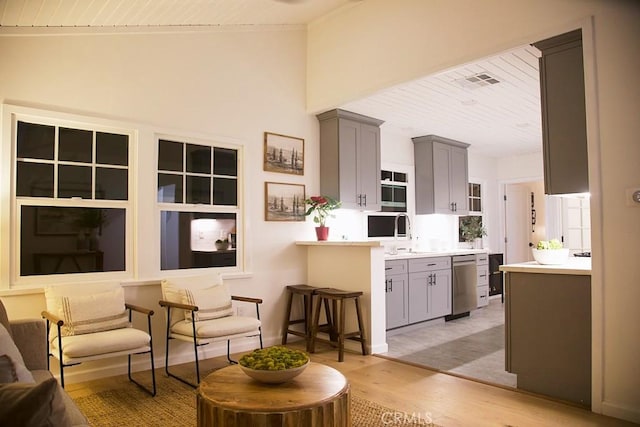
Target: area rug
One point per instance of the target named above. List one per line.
(175, 406)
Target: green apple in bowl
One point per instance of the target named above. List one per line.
(550, 252)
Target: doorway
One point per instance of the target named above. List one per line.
(524, 219)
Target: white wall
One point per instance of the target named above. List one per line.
(222, 86)
(436, 35)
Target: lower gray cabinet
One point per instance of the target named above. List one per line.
(429, 288)
(397, 301)
(417, 289)
(429, 295)
(396, 288)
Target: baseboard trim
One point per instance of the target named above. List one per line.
(621, 411)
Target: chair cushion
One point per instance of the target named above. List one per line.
(8, 348)
(214, 328)
(175, 290)
(33, 404)
(213, 302)
(88, 313)
(113, 341)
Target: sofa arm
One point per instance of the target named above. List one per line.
(30, 336)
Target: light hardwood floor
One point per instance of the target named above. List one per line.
(449, 400)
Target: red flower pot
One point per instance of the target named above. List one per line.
(322, 232)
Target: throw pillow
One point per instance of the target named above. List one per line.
(85, 314)
(33, 404)
(174, 290)
(8, 347)
(213, 302)
(7, 370)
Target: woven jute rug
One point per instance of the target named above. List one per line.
(175, 406)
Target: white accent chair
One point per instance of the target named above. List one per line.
(199, 310)
(91, 322)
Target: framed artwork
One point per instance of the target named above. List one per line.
(283, 202)
(284, 154)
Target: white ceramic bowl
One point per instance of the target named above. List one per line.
(274, 377)
(550, 256)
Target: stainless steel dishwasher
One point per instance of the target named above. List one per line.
(465, 282)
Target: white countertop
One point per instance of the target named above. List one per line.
(371, 243)
(432, 254)
(575, 265)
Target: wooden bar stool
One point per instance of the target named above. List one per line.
(336, 319)
(308, 294)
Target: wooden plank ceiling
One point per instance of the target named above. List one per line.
(498, 120)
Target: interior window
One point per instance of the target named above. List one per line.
(198, 200)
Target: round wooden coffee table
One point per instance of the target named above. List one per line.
(319, 396)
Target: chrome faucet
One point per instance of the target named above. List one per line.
(407, 229)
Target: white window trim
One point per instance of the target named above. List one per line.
(241, 260)
(10, 205)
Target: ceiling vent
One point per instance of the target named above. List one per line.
(478, 80)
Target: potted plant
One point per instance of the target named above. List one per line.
(321, 206)
(472, 231)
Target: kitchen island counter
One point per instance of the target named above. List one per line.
(580, 266)
(548, 328)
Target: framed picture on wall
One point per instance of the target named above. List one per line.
(284, 202)
(284, 154)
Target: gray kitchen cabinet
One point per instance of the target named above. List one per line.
(397, 299)
(429, 288)
(482, 267)
(564, 130)
(442, 178)
(350, 159)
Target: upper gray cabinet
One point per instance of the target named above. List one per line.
(350, 159)
(442, 178)
(564, 132)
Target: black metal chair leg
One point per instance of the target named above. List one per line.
(151, 391)
(195, 348)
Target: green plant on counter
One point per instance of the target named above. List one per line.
(321, 205)
(471, 228)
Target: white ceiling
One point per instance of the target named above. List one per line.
(135, 13)
(498, 120)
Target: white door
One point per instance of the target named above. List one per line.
(576, 224)
(517, 223)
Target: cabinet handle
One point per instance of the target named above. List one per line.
(388, 268)
(365, 200)
(483, 275)
(390, 285)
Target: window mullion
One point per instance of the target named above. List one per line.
(56, 150)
